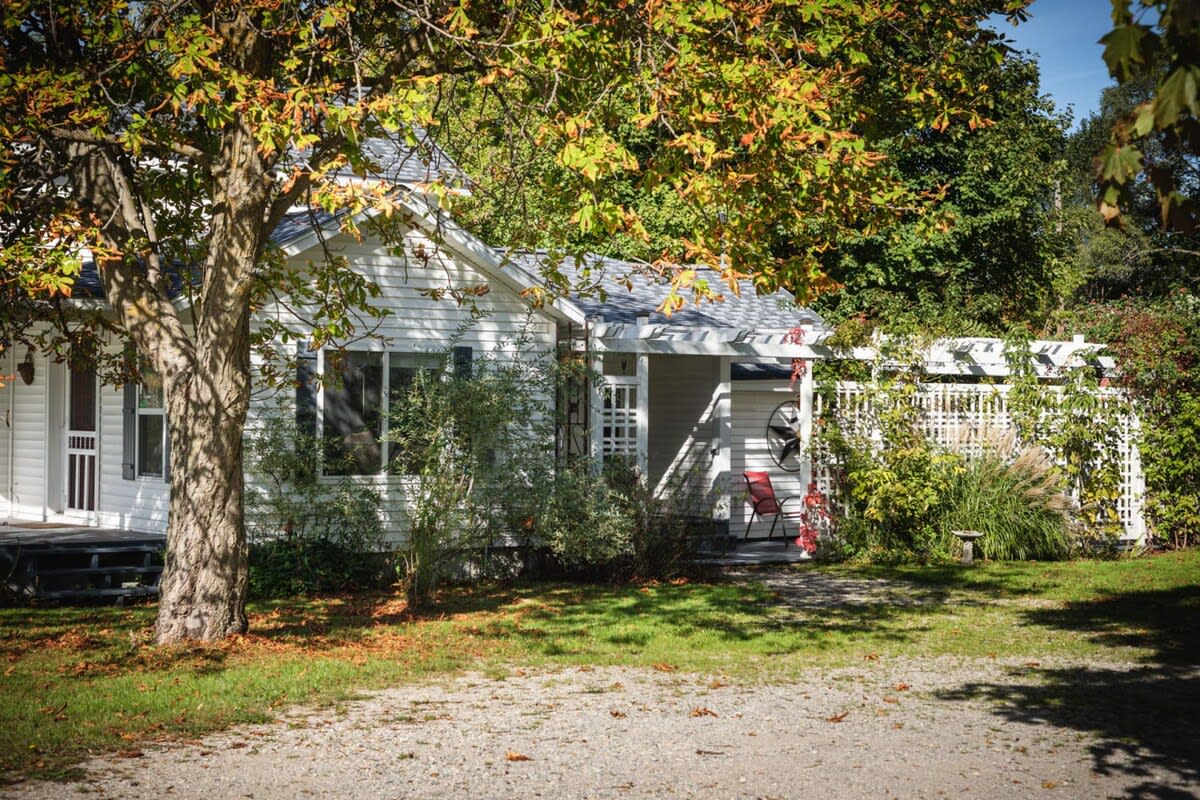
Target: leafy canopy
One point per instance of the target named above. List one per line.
(1160, 39)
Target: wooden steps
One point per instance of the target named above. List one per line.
(78, 567)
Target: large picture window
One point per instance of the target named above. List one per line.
(354, 427)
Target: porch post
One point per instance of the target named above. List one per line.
(806, 424)
(643, 416)
(722, 463)
(596, 410)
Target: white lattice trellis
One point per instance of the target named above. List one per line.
(619, 418)
(961, 416)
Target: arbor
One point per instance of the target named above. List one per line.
(168, 139)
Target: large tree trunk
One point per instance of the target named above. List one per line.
(203, 590)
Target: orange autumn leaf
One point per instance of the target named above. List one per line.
(513, 755)
(837, 717)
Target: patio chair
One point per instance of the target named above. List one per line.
(766, 504)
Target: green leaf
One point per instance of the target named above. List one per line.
(1125, 46)
(1175, 95)
(1119, 164)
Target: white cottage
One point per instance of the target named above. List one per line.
(694, 393)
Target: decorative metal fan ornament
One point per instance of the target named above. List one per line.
(783, 436)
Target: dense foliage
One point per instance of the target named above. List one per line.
(903, 504)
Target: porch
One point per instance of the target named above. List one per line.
(51, 561)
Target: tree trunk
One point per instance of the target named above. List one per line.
(204, 582)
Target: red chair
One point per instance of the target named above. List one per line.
(765, 504)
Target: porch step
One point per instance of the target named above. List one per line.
(81, 570)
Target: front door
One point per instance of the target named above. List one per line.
(82, 441)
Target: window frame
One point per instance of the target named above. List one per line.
(140, 412)
(390, 360)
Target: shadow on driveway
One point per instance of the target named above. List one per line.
(1144, 717)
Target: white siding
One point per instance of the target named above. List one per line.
(753, 402)
(29, 430)
(139, 504)
(682, 424)
(7, 369)
(417, 323)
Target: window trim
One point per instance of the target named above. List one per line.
(140, 411)
(390, 359)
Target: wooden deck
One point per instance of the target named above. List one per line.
(76, 562)
(58, 533)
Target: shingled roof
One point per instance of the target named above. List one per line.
(625, 304)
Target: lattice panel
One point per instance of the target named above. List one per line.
(966, 417)
(619, 419)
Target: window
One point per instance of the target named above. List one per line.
(151, 426)
(354, 425)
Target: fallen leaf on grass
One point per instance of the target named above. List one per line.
(891, 699)
(716, 684)
(664, 667)
(871, 657)
(901, 687)
(237, 745)
(1033, 663)
(702, 711)
(1049, 784)
(513, 755)
(837, 717)
(130, 754)
(617, 714)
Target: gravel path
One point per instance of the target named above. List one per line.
(885, 728)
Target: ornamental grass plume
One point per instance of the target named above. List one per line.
(1021, 506)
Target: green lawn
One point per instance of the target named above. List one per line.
(79, 681)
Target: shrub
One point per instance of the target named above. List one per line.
(477, 449)
(616, 527)
(891, 479)
(1021, 508)
(585, 524)
(307, 536)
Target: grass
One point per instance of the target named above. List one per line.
(82, 681)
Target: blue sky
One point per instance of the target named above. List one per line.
(1063, 35)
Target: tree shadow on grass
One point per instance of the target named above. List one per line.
(1146, 719)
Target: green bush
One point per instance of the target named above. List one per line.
(585, 525)
(616, 527)
(1171, 458)
(1157, 345)
(307, 536)
(892, 480)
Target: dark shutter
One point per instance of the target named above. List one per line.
(129, 431)
(462, 362)
(306, 391)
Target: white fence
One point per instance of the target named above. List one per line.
(954, 415)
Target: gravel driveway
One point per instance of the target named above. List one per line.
(885, 728)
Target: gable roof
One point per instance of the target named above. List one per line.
(625, 293)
